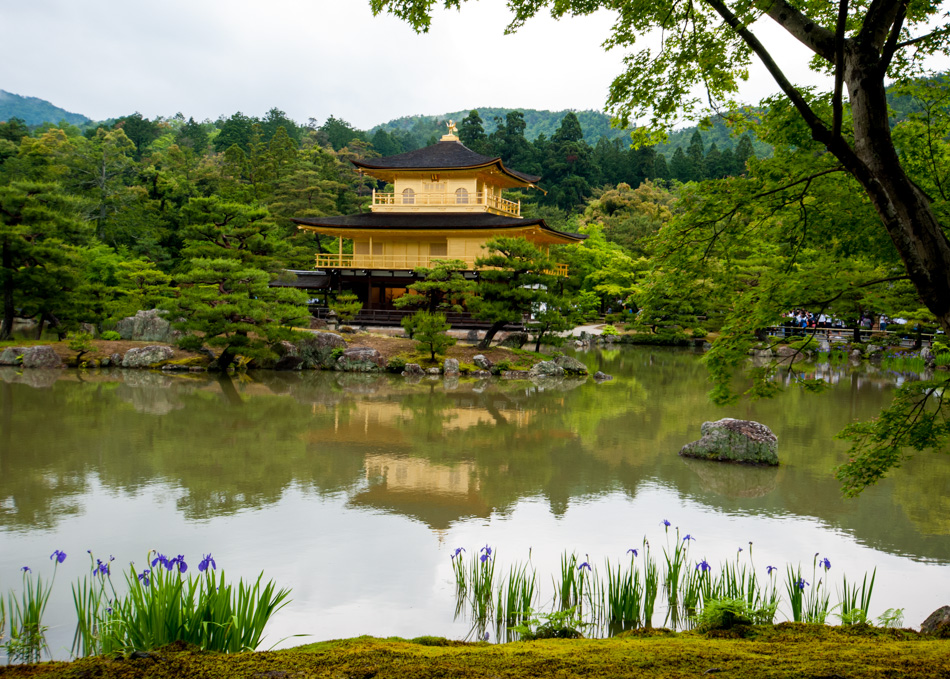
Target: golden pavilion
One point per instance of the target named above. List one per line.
(446, 202)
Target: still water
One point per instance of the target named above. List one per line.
(354, 490)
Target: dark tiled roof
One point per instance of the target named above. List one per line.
(440, 156)
(450, 220)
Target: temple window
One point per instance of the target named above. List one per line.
(408, 197)
(461, 196)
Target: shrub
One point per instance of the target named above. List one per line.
(396, 364)
(346, 305)
(609, 331)
(699, 332)
(110, 336)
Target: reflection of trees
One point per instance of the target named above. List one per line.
(440, 452)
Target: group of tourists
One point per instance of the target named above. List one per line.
(799, 319)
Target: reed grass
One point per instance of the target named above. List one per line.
(27, 633)
(624, 594)
(853, 603)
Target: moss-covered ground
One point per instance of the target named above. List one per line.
(788, 650)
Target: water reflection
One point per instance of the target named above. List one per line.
(442, 452)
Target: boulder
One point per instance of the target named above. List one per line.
(546, 369)
(515, 374)
(41, 357)
(856, 354)
(451, 367)
(824, 347)
(787, 353)
(318, 324)
(481, 374)
(939, 618)
(570, 365)
(316, 350)
(515, 340)
(143, 357)
(927, 354)
(147, 326)
(115, 360)
(434, 371)
(482, 362)
(361, 360)
(288, 362)
(874, 349)
(12, 355)
(736, 441)
(471, 336)
(602, 377)
(413, 369)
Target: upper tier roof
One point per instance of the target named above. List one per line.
(445, 155)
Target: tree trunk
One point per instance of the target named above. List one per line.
(903, 207)
(490, 334)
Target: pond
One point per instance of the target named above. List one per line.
(355, 490)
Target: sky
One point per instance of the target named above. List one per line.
(313, 59)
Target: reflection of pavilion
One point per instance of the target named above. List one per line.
(436, 494)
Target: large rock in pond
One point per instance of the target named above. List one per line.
(147, 326)
(483, 362)
(360, 360)
(936, 620)
(451, 367)
(41, 357)
(736, 441)
(514, 340)
(571, 365)
(143, 357)
(546, 369)
(412, 369)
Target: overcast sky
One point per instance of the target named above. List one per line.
(310, 58)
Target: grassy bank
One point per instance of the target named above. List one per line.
(785, 650)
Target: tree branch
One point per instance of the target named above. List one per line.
(836, 106)
(914, 41)
(887, 53)
(879, 18)
(818, 128)
(818, 39)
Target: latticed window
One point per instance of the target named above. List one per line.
(461, 196)
(408, 197)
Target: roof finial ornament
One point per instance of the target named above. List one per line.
(453, 132)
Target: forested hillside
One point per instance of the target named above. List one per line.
(34, 111)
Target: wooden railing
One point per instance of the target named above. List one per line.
(446, 199)
(400, 262)
(394, 317)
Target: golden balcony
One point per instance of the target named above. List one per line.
(418, 201)
(399, 262)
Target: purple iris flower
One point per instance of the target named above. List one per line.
(584, 565)
(143, 578)
(484, 557)
(59, 555)
(824, 563)
(801, 584)
(485, 638)
(666, 523)
(180, 561)
(688, 537)
(769, 569)
(740, 549)
(632, 550)
(703, 566)
(26, 569)
(205, 562)
(100, 568)
(486, 549)
(160, 559)
(458, 550)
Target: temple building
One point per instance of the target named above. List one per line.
(446, 202)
